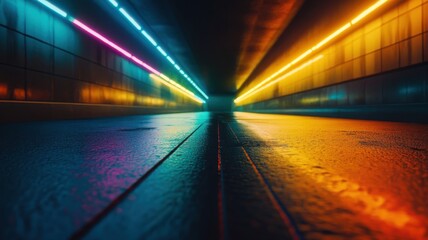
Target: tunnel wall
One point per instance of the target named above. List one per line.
(379, 71)
(49, 69)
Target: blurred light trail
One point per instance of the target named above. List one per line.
(162, 78)
(152, 40)
(326, 40)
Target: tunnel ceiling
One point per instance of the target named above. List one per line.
(218, 42)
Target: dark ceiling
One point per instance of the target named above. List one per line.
(218, 42)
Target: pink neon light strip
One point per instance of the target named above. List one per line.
(100, 37)
(113, 45)
(138, 61)
(129, 55)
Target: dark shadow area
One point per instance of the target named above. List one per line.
(220, 103)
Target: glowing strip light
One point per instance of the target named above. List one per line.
(123, 11)
(149, 38)
(161, 51)
(289, 73)
(197, 88)
(171, 83)
(163, 79)
(170, 60)
(155, 44)
(331, 36)
(100, 37)
(312, 49)
(114, 3)
(53, 7)
(368, 11)
(145, 65)
(136, 60)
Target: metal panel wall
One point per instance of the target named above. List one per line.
(43, 58)
(381, 63)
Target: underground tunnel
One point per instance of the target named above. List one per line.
(227, 119)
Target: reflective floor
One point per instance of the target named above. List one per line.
(214, 176)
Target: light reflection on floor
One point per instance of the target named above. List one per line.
(280, 176)
(372, 170)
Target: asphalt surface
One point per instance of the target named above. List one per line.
(214, 176)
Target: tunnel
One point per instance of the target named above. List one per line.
(225, 119)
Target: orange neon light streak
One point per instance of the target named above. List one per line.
(331, 36)
(288, 74)
(368, 11)
(326, 40)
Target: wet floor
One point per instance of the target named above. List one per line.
(214, 176)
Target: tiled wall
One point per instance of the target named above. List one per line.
(384, 61)
(45, 59)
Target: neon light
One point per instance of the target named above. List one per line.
(170, 60)
(333, 35)
(303, 55)
(145, 65)
(309, 51)
(114, 3)
(181, 71)
(164, 79)
(162, 51)
(152, 41)
(368, 11)
(100, 37)
(177, 67)
(53, 7)
(103, 39)
(182, 90)
(149, 38)
(282, 77)
(123, 11)
(203, 94)
(133, 58)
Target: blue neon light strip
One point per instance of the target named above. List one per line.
(124, 13)
(155, 44)
(162, 51)
(161, 77)
(149, 38)
(170, 60)
(53, 7)
(114, 3)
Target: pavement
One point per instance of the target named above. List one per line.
(214, 176)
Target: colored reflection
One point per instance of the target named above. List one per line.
(337, 173)
(98, 94)
(3, 90)
(19, 94)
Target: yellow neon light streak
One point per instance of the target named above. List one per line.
(368, 11)
(333, 35)
(309, 51)
(286, 75)
(165, 80)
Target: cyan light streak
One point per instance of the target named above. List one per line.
(84, 27)
(155, 43)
